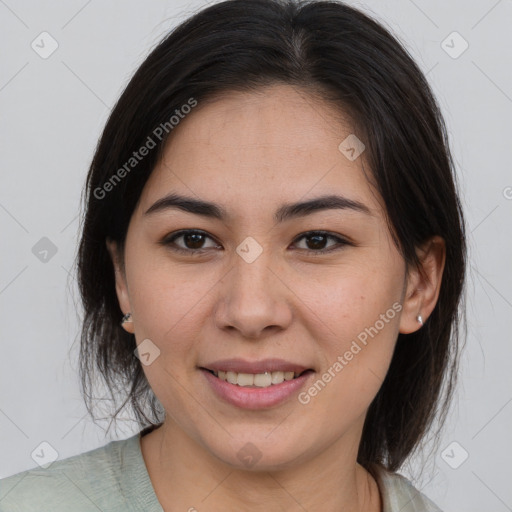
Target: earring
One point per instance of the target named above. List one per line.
(420, 320)
(127, 318)
(127, 323)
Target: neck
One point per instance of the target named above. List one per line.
(187, 477)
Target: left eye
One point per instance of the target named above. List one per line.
(193, 241)
(319, 239)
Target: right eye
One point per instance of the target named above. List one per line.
(192, 240)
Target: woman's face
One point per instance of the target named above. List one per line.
(260, 294)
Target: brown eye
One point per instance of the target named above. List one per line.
(192, 241)
(316, 242)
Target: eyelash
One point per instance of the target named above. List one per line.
(169, 242)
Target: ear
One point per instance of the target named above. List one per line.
(423, 284)
(120, 277)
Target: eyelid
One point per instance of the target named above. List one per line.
(168, 240)
(342, 241)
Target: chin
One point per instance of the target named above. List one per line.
(259, 452)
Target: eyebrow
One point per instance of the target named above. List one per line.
(285, 212)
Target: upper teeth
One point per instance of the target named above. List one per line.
(261, 380)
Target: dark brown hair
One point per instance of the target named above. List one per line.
(352, 61)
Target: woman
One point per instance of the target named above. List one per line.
(271, 264)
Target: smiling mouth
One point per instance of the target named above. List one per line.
(256, 380)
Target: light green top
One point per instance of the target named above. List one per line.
(114, 478)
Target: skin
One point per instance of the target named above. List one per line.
(251, 152)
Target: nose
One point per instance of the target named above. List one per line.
(253, 299)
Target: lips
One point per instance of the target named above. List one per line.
(255, 384)
(262, 396)
(255, 367)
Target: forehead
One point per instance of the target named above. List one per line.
(252, 150)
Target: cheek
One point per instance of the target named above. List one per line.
(169, 304)
(354, 316)
(345, 301)
(167, 301)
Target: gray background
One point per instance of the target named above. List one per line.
(52, 112)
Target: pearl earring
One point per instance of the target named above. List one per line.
(420, 320)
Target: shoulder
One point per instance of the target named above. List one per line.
(88, 481)
(399, 494)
